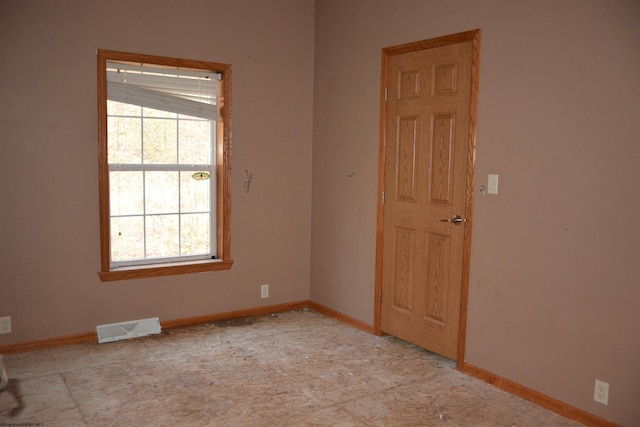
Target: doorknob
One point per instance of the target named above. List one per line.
(456, 220)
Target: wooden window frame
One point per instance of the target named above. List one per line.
(223, 172)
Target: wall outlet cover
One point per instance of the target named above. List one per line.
(5, 325)
(601, 392)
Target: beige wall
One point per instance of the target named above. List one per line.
(555, 277)
(49, 250)
(554, 282)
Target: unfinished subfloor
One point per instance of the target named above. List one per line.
(290, 369)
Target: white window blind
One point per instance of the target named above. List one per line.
(186, 92)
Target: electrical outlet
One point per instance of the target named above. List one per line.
(264, 291)
(601, 392)
(5, 325)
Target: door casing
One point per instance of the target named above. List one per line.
(474, 37)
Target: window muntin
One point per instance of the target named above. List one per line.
(164, 164)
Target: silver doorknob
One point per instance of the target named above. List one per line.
(456, 220)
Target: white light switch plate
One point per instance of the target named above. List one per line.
(492, 186)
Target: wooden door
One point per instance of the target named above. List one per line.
(426, 168)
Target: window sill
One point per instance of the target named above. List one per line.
(158, 270)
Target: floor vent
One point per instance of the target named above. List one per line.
(126, 330)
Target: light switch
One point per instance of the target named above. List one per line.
(492, 185)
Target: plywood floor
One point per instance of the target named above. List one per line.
(290, 369)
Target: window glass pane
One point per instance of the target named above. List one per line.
(125, 143)
(161, 192)
(194, 230)
(163, 236)
(126, 195)
(152, 112)
(127, 238)
(115, 108)
(195, 142)
(194, 193)
(187, 117)
(160, 141)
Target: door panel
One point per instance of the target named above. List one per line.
(425, 171)
(406, 155)
(404, 259)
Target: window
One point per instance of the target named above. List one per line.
(164, 165)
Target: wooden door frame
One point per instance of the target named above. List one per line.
(474, 37)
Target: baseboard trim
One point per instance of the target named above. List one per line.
(49, 343)
(351, 321)
(238, 314)
(92, 337)
(536, 397)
